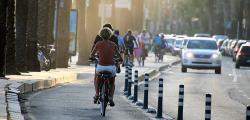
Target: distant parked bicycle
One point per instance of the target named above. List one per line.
(43, 58)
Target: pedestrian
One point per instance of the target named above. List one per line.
(145, 38)
(137, 48)
(129, 47)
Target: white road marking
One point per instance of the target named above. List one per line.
(240, 91)
(235, 76)
(230, 75)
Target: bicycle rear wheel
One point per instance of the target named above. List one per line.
(103, 100)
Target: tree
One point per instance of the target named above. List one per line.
(3, 29)
(11, 51)
(21, 27)
(33, 63)
(62, 33)
(45, 21)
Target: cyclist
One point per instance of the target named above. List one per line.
(113, 38)
(129, 40)
(106, 51)
(157, 42)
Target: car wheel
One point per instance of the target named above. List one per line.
(218, 70)
(183, 69)
(237, 66)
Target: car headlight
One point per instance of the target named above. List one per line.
(189, 55)
(215, 56)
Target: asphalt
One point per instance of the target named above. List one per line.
(74, 100)
(230, 92)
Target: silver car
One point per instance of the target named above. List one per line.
(201, 53)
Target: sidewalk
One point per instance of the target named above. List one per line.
(34, 81)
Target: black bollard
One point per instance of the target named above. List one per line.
(248, 113)
(181, 102)
(208, 107)
(160, 99)
(135, 87)
(145, 103)
(129, 80)
(126, 81)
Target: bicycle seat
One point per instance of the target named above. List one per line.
(105, 74)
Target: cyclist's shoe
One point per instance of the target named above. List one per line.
(96, 99)
(111, 103)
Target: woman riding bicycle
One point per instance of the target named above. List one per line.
(106, 51)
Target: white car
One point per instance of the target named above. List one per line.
(201, 53)
(177, 47)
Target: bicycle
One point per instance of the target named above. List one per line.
(127, 59)
(104, 87)
(104, 90)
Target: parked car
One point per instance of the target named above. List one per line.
(177, 47)
(202, 35)
(243, 56)
(223, 47)
(237, 47)
(201, 53)
(227, 50)
(184, 44)
(219, 43)
(170, 43)
(231, 49)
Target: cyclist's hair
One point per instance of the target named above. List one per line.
(105, 33)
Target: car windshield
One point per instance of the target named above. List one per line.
(246, 49)
(178, 42)
(202, 44)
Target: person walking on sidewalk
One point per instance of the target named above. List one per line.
(106, 51)
(145, 38)
(137, 48)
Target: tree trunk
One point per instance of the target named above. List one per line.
(11, 51)
(21, 27)
(45, 22)
(3, 8)
(81, 37)
(63, 33)
(33, 63)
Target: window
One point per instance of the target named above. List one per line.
(202, 44)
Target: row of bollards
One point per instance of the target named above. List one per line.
(159, 114)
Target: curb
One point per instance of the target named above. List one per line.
(14, 92)
(155, 72)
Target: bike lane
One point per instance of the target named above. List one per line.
(75, 100)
